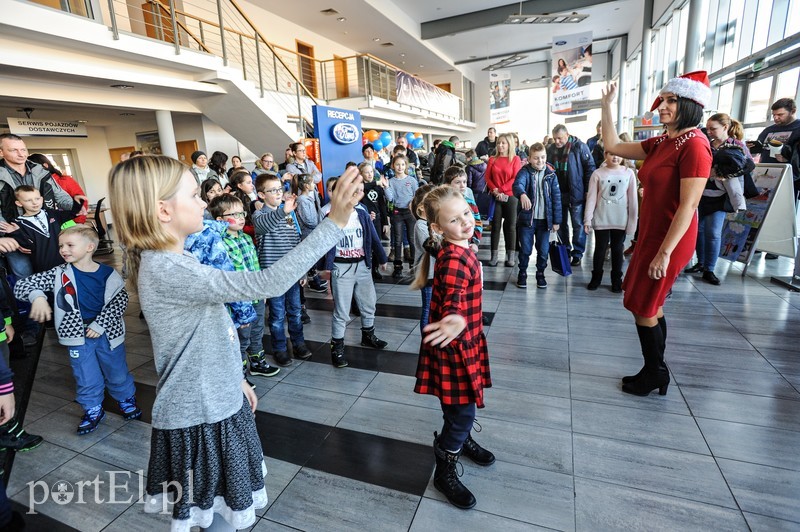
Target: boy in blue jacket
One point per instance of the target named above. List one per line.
(536, 186)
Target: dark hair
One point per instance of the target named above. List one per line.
(689, 114)
(299, 183)
(332, 182)
(262, 179)
(9, 136)
(453, 172)
(40, 158)
(24, 188)
(366, 146)
(294, 145)
(454, 138)
(207, 185)
(436, 142)
(398, 148)
(217, 162)
(785, 103)
(237, 178)
(222, 203)
(349, 164)
(536, 147)
(137, 153)
(396, 157)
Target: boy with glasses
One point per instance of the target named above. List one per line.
(228, 209)
(277, 233)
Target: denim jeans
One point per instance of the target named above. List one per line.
(709, 238)
(425, 315)
(578, 242)
(402, 226)
(283, 308)
(251, 338)
(19, 264)
(97, 366)
(526, 237)
(458, 420)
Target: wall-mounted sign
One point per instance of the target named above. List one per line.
(339, 134)
(46, 128)
(345, 133)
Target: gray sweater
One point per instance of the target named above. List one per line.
(195, 345)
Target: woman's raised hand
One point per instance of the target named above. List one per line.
(349, 191)
(609, 94)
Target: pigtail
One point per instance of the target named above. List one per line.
(736, 130)
(432, 247)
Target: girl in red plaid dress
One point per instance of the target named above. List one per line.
(453, 360)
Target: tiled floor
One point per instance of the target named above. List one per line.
(350, 449)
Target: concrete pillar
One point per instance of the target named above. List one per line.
(645, 96)
(695, 35)
(166, 133)
(621, 95)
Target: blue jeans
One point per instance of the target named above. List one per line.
(458, 420)
(97, 366)
(283, 308)
(19, 264)
(526, 235)
(578, 242)
(251, 337)
(709, 238)
(425, 316)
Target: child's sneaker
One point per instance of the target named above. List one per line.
(522, 280)
(12, 436)
(129, 408)
(91, 418)
(301, 351)
(318, 285)
(261, 367)
(398, 272)
(540, 282)
(304, 317)
(251, 383)
(282, 358)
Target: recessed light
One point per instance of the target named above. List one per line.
(376, 39)
(422, 66)
(341, 19)
(127, 114)
(402, 55)
(121, 86)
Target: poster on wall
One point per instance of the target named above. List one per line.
(148, 142)
(572, 71)
(419, 93)
(499, 96)
(766, 222)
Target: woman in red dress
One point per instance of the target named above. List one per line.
(676, 167)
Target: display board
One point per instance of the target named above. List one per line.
(768, 223)
(339, 135)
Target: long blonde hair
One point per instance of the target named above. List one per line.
(512, 146)
(135, 188)
(432, 203)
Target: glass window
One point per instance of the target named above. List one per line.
(734, 32)
(793, 22)
(725, 101)
(758, 95)
(762, 25)
(683, 32)
(786, 86)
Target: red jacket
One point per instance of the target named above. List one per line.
(72, 188)
(457, 373)
(500, 173)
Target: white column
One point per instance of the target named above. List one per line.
(166, 133)
(621, 94)
(645, 96)
(695, 35)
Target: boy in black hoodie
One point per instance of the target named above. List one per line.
(375, 201)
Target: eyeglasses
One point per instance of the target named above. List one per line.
(274, 191)
(239, 215)
(268, 161)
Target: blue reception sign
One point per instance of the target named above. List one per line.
(339, 134)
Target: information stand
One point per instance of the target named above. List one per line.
(768, 223)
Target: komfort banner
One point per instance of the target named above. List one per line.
(419, 93)
(499, 96)
(572, 71)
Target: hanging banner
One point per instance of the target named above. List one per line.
(25, 127)
(572, 71)
(499, 96)
(419, 93)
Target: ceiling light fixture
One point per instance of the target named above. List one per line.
(376, 39)
(546, 18)
(122, 86)
(506, 62)
(329, 12)
(341, 19)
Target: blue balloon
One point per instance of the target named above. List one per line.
(410, 138)
(386, 138)
(418, 143)
(377, 144)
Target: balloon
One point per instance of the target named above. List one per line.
(371, 135)
(418, 135)
(409, 137)
(377, 144)
(418, 143)
(386, 138)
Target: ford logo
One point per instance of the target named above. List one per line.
(560, 43)
(345, 133)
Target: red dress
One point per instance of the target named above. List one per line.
(458, 373)
(667, 162)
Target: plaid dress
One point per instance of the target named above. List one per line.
(457, 373)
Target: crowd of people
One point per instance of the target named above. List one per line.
(257, 239)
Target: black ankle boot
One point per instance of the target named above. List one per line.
(616, 282)
(368, 338)
(655, 374)
(476, 453)
(445, 478)
(662, 322)
(337, 353)
(597, 278)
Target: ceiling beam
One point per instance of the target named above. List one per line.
(498, 15)
(530, 51)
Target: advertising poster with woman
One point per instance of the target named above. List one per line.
(499, 96)
(572, 71)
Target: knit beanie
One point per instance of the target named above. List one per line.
(196, 155)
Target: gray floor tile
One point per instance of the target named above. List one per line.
(733, 380)
(40, 404)
(437, 516)
(741, 408)
(522, 493)
(301, 506)
(751, 443)
(613, 367)
(551, 358)
(326, 377)
(762, 523)
(609, 391)
(784, 361)
(135, 518)
(763, 490)
(279, 475)
(309, 404)
(527, 378)
(399, 389)
(126, 448)
(265, 525)
(676, 473)
(33, 465)
(392, 420)
(527, 408)
(661, 429)
(602, 506)
(60, 427)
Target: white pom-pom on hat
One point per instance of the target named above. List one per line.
(694, 86)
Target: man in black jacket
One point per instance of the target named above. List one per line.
(488, 146)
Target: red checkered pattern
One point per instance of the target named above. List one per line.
(458, 373)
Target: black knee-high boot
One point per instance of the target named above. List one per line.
(662, 322)
(655, 373)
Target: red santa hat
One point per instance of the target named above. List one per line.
(693, 86)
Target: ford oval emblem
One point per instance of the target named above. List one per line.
(560, 43)
(345, 133)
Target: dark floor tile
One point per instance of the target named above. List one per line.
(288, 439)
(367, 358)
(39, 521)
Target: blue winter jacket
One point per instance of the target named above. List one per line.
(580, 166)
(523, 184)
(371, 241)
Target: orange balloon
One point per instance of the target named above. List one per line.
(417, 135)
(372, 135)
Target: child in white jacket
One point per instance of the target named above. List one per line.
(611, 210)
